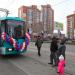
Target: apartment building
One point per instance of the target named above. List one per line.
(71, 26)
(48, 18)
(38, 21)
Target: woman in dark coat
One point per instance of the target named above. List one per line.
(61, 49)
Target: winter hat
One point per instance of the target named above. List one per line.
(61, 57)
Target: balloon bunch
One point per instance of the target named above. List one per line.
(27, 39)
(15, 44)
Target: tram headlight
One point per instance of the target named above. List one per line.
(10, 49)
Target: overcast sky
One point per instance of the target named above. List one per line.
(62, 8)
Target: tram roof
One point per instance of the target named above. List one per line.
(12, 18)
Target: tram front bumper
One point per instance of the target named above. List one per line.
(9, 51)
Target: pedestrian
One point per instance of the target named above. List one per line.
(61, 49)
(38, 43)
(61, 64)
(53, 50)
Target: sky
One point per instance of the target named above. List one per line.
(62, 8)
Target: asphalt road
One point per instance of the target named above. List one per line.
(31, 64)
(7, 68)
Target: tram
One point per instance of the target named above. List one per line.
(13, 36)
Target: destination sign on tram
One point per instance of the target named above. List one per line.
(12, 22)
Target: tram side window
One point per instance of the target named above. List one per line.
(2, 29)
(0, 35)
(2, 26)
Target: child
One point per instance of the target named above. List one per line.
(61, 64)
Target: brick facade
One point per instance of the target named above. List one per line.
(71, 26)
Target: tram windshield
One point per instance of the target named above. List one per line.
(13, 28)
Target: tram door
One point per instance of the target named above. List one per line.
(18, 31)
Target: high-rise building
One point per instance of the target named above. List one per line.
(48, 18)
(39, 21)
(71, 26)
(22, 13)
(35, 19)
(32, 16)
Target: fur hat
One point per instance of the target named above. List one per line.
(61, 57)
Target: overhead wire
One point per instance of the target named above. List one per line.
(61, 2)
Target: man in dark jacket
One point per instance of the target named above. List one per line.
(38, 43)
(53, 49)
